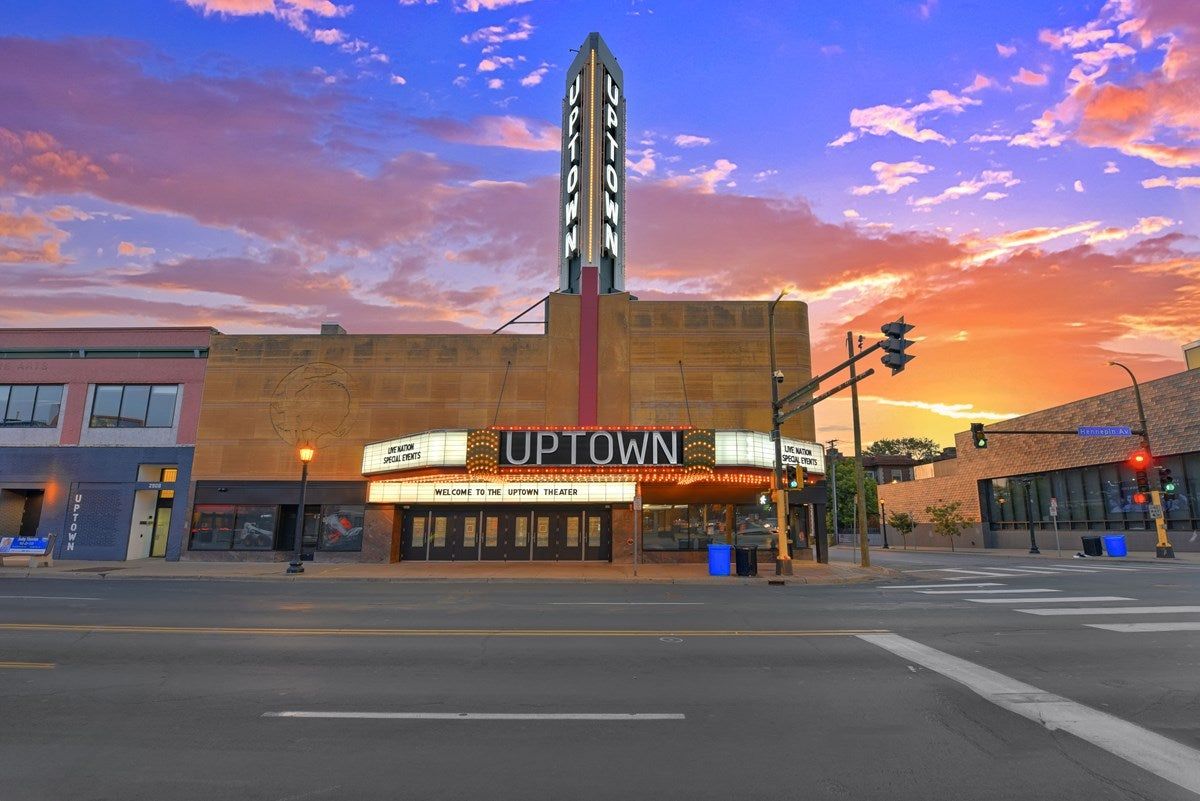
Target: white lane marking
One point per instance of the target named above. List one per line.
(1078, 569)
(927, 586)
(626, 603)
(1114, 610)
(478, 715)
(1161, 756)
(1072, 599)
(51, 597)
(1042, 570)
(980, 592)
(1133, 628)
(975, 572)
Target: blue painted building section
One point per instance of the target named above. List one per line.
(88, 499)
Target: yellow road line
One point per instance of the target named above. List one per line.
(26, 665)
(340, 632)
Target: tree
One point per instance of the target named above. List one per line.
(902, 522)
(918, 448)
(845, 493)
(946, 520)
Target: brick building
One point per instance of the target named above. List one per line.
(618, 415)
(1003, 486)
(96, 437)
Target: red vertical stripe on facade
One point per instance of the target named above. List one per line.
(589, 344)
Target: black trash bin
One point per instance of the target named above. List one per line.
(746, 557)
(1092, 546)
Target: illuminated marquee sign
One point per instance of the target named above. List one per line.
(430, 449)
(490, 450)
(592, 182)
(755, 449)
(523, 492)
(661, 447)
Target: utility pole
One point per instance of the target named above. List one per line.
(859, 484)
(832, 468)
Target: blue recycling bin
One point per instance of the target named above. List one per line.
(718, 558)
(1114, 545)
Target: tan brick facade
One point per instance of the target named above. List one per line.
(1173, 416)
(403, 384)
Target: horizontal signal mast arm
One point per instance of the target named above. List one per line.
(1073, 432)
(816, 382)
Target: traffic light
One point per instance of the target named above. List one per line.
(977, 435)
(1166, 483)
(790, 479)
(1140, 462)
(1141, 498)
(895, 345)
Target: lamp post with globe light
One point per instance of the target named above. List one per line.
(307, 453)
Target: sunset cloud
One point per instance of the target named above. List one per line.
(295, 13)
(472, 6)
(1005, 50)
(891, 178)
(980, 83)
(1182, 182)
(518, 133)
(691, 140)
(969, 187)
(1029, 78)
(515, 30)
(130, 249)
(1146, 226)
(883, 120)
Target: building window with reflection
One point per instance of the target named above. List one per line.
(1093, 498)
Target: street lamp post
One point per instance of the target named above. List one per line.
(306, 456)
(783, 559)
(883, 523)
(1033, 546)
(1163, 549)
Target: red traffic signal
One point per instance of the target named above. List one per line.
(1139, 460)
(1141, 498)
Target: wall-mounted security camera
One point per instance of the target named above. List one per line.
(778, 376)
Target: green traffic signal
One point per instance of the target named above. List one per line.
(977, 435)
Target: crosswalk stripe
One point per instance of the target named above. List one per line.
(977, 592)
(943, 584)
(1038, 570)
(1094, 569)
(1114, 610)
(1072, 599)
(975, 573)
(1134, 628)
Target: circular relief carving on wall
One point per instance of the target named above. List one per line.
(313, 404)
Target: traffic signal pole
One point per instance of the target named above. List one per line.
(1163, 548)
(783, 559)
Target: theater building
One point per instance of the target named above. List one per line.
(1078, 485)
(608, 421)
(96, 437)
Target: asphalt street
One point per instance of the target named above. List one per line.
(939, 684)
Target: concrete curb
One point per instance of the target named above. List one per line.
(882, 574)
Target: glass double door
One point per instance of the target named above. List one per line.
(501, 534)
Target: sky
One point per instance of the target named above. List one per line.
(1020, 180)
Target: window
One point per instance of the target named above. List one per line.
(212, 528)
(134, 406)
(694, 527)
(342, 528)
(1095, 498)
(255, 528)
(30, 405)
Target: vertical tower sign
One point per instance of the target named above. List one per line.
(592, 182)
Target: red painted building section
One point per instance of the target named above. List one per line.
(589, 345)
(78, 373)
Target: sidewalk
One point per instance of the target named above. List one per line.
(805, 572)
(1183, 557)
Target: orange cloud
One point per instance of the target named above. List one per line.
(519, 133)
(1029, 78)
(130, 249)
